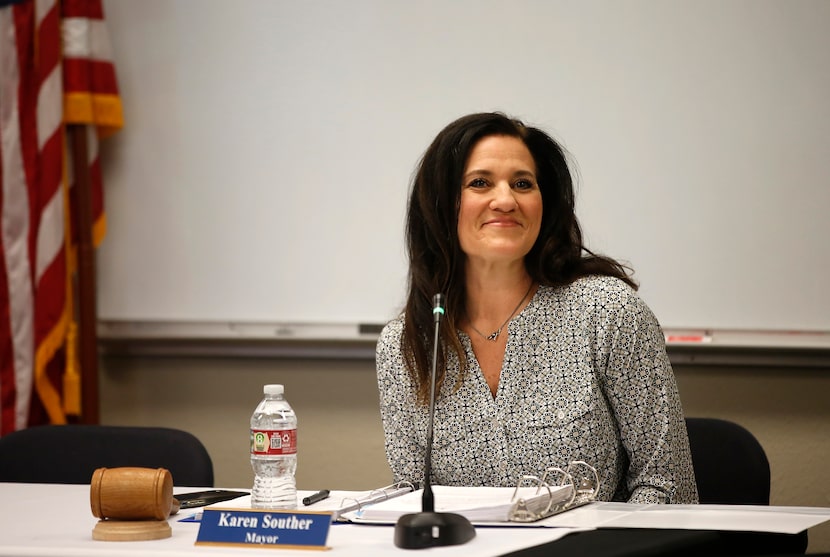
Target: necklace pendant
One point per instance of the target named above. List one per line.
(494, 335)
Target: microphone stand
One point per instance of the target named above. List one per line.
(429, 528)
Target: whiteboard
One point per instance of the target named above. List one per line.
(263, 171)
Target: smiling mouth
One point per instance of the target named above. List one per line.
(501, 223)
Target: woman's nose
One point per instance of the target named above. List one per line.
(503, 198)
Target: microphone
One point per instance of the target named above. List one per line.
(429, 528)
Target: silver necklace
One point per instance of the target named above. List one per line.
(495, 334)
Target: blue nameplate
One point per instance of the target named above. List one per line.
(264, 528)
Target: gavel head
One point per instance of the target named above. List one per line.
(130, 493)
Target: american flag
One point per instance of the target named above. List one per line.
(55, 69)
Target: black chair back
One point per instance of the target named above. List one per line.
(69, 454)
(731, 468)
(730, 464)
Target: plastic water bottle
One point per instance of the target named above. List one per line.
(274, 451)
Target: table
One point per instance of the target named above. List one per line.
(56, 520)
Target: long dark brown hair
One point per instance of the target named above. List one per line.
(436, 262)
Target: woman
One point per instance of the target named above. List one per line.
(548, 355)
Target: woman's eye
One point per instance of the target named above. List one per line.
(477, 183)
(524, 185)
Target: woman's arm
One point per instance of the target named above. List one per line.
(397, 407)
(640, 386)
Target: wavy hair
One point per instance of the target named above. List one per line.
(436, 262)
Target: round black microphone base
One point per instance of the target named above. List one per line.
(425, 529)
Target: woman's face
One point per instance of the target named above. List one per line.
(500, 214)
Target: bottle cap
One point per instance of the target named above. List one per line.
(273, 390)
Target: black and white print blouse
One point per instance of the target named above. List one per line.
(585, 377)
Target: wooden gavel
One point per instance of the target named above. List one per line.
(132, 494)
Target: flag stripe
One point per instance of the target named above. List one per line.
(91, 9)
(86, 38)
(18, 296)
(51, 231)
(48, 46)
(51, 296)
(81, 75)
(49, 112)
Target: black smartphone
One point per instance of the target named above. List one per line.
(202, 498)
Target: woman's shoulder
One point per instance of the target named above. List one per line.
(393, 327)
(593, 287)
(597, 284)
(596, 294)
(390, 335)
(603, 281)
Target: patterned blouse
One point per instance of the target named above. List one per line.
(585, 377)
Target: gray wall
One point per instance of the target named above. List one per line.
(341, 439)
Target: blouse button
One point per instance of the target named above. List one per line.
(561, 414)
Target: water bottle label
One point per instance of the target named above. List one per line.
(274, 442)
